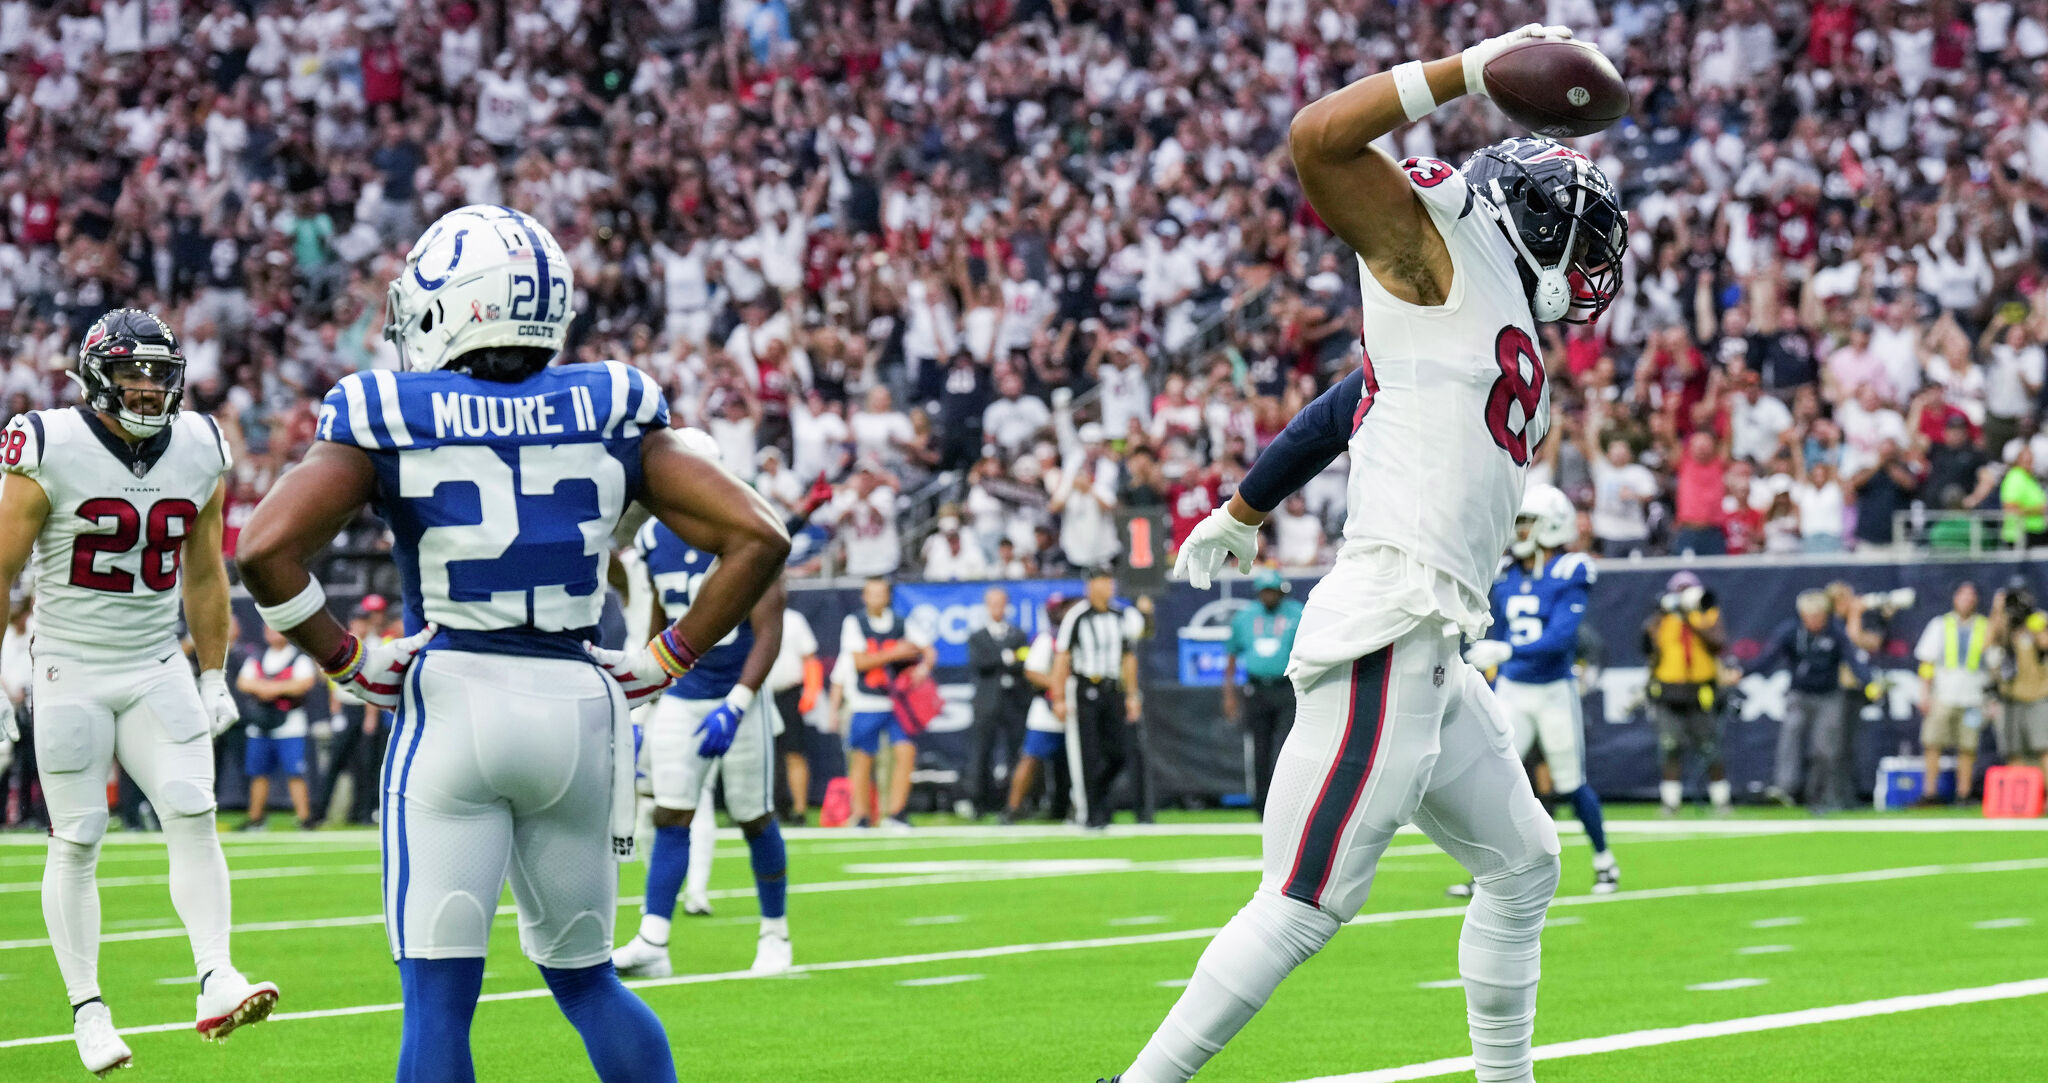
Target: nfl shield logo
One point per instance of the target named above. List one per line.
(1438, 677)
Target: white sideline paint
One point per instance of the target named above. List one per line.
(1683, 891)
(1100, 942)
(1568, 919)
(1643, 1039)
(1139, 919)
(2003, 923)
(1775, 923)
(280, 873)
(1445, 983)
(1723, 986)
(943, 979)
(936, 919)
(366, 838)
(1764, 949)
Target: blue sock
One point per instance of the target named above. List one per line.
(440, 1001)
(771, 866)
(666, 868)
(1587, 803)
(625, 1041)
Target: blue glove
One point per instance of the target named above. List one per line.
(722, 723)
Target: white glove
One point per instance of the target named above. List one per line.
(1214, 538)
(1478, 56)
(9, 731)
(1691, 597)
(640, 675)
(220, 703)
(376, 677)
(1488, 653)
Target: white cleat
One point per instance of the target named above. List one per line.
(773, 955)
(99, 1047)
(641, 958)
(696, 906)
(1606, 881)
(227, 1002)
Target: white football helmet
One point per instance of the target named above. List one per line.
(1553, 522)
(482, 276)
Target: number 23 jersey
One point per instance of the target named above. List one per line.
(107, 562)
(501, 497)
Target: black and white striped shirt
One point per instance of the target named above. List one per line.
(1098, 639)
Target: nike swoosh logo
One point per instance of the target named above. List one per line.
(165, 658)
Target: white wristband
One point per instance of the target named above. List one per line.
(741, 697)
(1475, 72)
(1417, 101)
(287, 615)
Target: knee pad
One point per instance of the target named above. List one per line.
(1526, 890)
(185, 797)
(79, 828)
(68, 853)
(1295, 930)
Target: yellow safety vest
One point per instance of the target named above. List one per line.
(1957, 655)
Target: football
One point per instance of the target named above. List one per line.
(1557, 89)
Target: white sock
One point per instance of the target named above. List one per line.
(1603, 861)
(1262, 944)
(1500, 957)
(654, 930)
(778, 926)
(71, 909)
(1720, 793)
(199, 887)
(1671, 793)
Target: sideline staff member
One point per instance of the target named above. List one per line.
(1262, 638)
(1094, 651)
(1683, 641)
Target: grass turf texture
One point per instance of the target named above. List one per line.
(1038, 1013)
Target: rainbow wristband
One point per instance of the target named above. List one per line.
(345, 661)
(673, 652)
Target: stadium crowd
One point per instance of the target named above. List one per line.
(993, 270)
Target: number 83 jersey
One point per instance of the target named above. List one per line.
(501, 497)
(107, 561)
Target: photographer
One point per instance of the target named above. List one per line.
(2019, 626)
(1821, 655)
(1953, 651)
(1683, 641)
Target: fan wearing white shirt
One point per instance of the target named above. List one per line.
(953, 553)
(1298, 536)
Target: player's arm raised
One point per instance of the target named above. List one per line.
(1359, 190)
(208, 613)
(301, 514)
(717, 513)
(23, 509)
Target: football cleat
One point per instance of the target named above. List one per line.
(1606, 881)
(227, 1001)
(641, 958)
(102, 1050)
(772, 955)
(896, 825)
(1460, 891)
(696, 905)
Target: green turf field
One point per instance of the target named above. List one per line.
(1049, 955)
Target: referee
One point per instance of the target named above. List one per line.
(1094, 651)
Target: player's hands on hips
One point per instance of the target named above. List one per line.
(220, 703)
(722, 723)
(1488, 653)
(9, 730)
(1478, 56)
(1215, 538)
(376, 675)
(640, 675)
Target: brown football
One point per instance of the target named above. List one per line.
(1557, 89)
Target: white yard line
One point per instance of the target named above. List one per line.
(1873, 876)
(279, 873)
(1643, 1039)
(366, 838)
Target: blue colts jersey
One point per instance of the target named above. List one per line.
(501, 497)
(678, 570)
(1538, 614)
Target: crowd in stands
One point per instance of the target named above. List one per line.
(953, 281)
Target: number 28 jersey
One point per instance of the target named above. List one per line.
(501, 497)
(107, 562)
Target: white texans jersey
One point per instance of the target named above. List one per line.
(107, 562)
(1454, 401)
